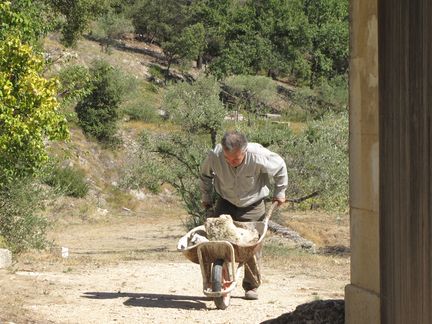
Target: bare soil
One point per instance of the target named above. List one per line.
(126, 269)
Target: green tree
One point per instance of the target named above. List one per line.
(77, 15)
(159, 20)
(242, 45)
(167, 23)
(286, 26)
(317, 160)
(249, 54)
(263, 36)
(254, 93)
(30, 19)
(328, 22)
(196, 107)
(213, 14)
(98, 110)
(172, 159)
(28, 110)
(188, 45)
(110, 26)
(28, 117)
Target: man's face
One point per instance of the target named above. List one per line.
(234, 158)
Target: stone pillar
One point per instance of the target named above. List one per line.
(362, 295)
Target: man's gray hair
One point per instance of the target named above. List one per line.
(233, 141)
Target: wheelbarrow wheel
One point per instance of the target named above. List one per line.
(220, 275)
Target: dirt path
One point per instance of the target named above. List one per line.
(141, 292)
(128, 271)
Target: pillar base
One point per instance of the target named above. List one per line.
(361, 306)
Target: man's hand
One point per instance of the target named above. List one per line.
(206, 205)
(209, 211)
(280, 201)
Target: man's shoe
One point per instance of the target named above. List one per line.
(251, 294)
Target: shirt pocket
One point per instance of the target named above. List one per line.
(247, 183)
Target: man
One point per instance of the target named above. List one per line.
(240, 172)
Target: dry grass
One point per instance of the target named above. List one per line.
(135, 127)
(119, 199)
(323, 229)
(297, 127)
(297, 261)
(87, 51)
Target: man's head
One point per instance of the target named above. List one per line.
(234, 145)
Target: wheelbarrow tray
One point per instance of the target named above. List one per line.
(213, 250)
(233, 254)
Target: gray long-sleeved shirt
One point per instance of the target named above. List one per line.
(247, 183)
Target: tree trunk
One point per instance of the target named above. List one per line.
(213, 134)
(199, 62)
(167, 71)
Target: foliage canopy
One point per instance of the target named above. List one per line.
(98, 110)
(196, 107)
(28, 110)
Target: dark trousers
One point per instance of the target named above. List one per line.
(252, 213)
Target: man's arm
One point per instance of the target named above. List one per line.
(275, 166)
(206, 182)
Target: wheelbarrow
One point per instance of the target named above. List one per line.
(218, 259)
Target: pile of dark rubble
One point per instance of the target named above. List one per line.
(331, 311)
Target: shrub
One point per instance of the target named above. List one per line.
(67, 181)
(317, 160)
(335, 92)
(98, 110)
(268, 135)
(142, 102)
(141, 111)
(75, 83)
(329, 96)
(157, 72)
(173, 159)
(21, 225)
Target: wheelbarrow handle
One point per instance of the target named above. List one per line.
(270, 211)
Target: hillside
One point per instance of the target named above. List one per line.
(101, 166)
(123, 265)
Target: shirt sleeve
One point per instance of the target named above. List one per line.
(275, 166)
(206, 180)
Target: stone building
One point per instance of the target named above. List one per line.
(390, 155)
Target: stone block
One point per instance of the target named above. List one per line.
(361, 306)
(364, 29)
(364, 97)
(5, 258)
(364, 172)
(365, 263)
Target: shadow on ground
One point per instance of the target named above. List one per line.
(152, 300)
(331, 311)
